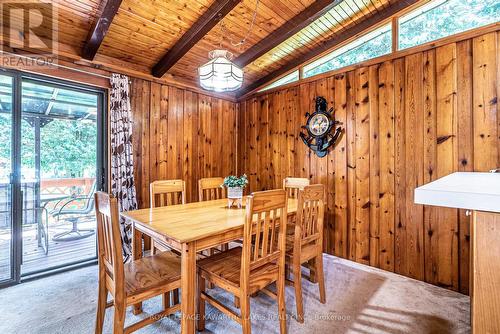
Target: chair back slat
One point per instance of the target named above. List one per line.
(109, 239)
(310, 214)
(264, 232)
(167, 192)
(292, 185)
(266, 227)
(210, 189)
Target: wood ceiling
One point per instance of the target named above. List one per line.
(138, 34)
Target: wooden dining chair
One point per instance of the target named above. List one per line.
(167, 192)
(307, 242)
(245, 270)
(292, 185)
(210, 189)
(132, 282)
(164, 193)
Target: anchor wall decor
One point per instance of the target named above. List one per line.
(322, 130)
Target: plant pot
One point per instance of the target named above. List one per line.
(234, 192)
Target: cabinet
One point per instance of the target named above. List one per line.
(485, 265)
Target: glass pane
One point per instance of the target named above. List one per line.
(34, 90)
(59, 101)
(374, 44)
(29, 178)
(5, 94)
(442, 18)
(85, 99)
(28, 153)
(33, 105)
(59, 163)
(73, 111)
(5, 170)
(294, 76)
(70, 154)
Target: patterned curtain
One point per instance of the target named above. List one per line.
(122, 158)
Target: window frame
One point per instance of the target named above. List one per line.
(274, 84)
(423, 9)
(356, 42)
(395, 24)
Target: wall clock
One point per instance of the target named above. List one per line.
(319, 127)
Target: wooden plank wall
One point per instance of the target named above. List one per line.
(180, 134)
(407, 121)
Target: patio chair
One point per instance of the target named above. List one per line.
(74, 216)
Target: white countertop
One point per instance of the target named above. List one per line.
(472, 191)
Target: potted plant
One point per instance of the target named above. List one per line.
(235, 186)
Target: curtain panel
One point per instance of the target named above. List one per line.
(122, 158)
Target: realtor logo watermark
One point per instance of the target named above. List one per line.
(29, 33)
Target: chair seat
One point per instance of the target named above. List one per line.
(227, 267)
(151, 272)
(307, 252)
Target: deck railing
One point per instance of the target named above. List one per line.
(64, 186)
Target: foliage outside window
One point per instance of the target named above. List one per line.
(371, 45)
(294, 76)
(67, 149)
(442, 18)
(68, 136)
(5, 127)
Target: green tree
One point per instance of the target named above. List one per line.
(448, 18)
(68, 148)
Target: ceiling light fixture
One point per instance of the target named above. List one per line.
(220, 74)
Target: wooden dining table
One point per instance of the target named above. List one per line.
(189, 228)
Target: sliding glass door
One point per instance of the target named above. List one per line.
(50, 173)
(7, 246)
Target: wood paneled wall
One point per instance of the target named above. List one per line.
(180, 134)
(407, 121)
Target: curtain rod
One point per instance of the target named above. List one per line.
(58, 65)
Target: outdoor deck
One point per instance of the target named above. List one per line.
(59, 252)
(48, 194)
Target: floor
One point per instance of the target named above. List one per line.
(59, 252)
(360, 299)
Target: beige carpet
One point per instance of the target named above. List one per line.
(360, 299)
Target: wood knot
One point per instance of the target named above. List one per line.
(442, 139)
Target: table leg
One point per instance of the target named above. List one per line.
(136, 254)
(188, 287)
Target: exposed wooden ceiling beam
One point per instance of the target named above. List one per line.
(287, 30)
(209, 19)
(100, 28)
(343, 36)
